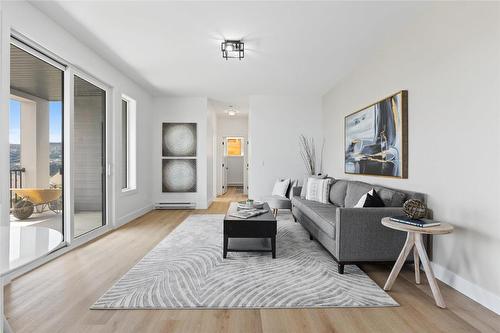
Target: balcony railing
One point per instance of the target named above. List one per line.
(16, 181)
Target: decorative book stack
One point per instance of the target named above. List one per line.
(422, 223)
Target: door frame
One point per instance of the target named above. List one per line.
(69, 242)
(69, 151)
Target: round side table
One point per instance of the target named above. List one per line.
(414, 241)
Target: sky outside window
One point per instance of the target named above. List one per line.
(55, 121)
(14, 122)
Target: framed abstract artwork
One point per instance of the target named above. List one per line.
(179, 175)
(376, 138)
(179, 140)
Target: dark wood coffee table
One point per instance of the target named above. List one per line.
(261, 226)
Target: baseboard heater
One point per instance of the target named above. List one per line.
(175, 205)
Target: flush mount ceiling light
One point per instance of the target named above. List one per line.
(231, 111)
(233, 49)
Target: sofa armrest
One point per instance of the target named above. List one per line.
(296, 191)
(360, 235)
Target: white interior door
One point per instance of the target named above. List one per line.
(245, 166)
(224, 174)
(221, 167)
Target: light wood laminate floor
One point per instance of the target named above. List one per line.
(56, 297)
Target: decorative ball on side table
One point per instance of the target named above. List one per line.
(415, 209)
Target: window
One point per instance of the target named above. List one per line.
(234, 146)
(128, 167)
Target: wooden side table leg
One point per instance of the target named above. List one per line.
(410, 241)
(416, 262)
(428, 272)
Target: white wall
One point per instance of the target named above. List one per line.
(33, 24)
(449, 61)
(211, 152)
(189, 110)
(275, 124)
(232, 126)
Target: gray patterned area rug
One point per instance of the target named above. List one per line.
(186, 271)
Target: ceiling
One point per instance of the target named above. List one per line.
(34, 76)
(292, 48)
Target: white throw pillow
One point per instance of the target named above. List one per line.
(318, 189)
(303, 191)
(361, 202)
(281, 187)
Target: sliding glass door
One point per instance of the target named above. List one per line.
(89, 152)
(36, 154)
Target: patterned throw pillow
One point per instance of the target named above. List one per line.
(303, 191)
(318, 189)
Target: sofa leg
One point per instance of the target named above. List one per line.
(311, 237)
(294, 218)
(341, 268)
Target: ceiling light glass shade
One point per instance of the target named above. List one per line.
(233, 49)
(231, 111)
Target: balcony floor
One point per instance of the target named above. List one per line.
(85, 221)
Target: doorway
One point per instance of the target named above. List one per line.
(232, 154)
(58, 149)
(36, 140)
(89, 156)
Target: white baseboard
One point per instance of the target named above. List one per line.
(133, 215)
(469, 289)
(209, 202)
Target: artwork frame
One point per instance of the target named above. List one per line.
(179, 139)
(376, 138)
(179, 175)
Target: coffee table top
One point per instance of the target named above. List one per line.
(266, 217)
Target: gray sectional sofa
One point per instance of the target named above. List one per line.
(353, 235)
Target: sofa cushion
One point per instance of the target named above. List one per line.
(354, 192)
(390, 197)
(337, 192)
(323, 215)
(279, 202)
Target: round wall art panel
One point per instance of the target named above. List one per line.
(179, 140)
(179, 175)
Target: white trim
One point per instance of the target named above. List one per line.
(469, 289)
(133, 215)
(131, 145)
(107, 138)
(209, 202)
(21, 42)
(125, 192)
